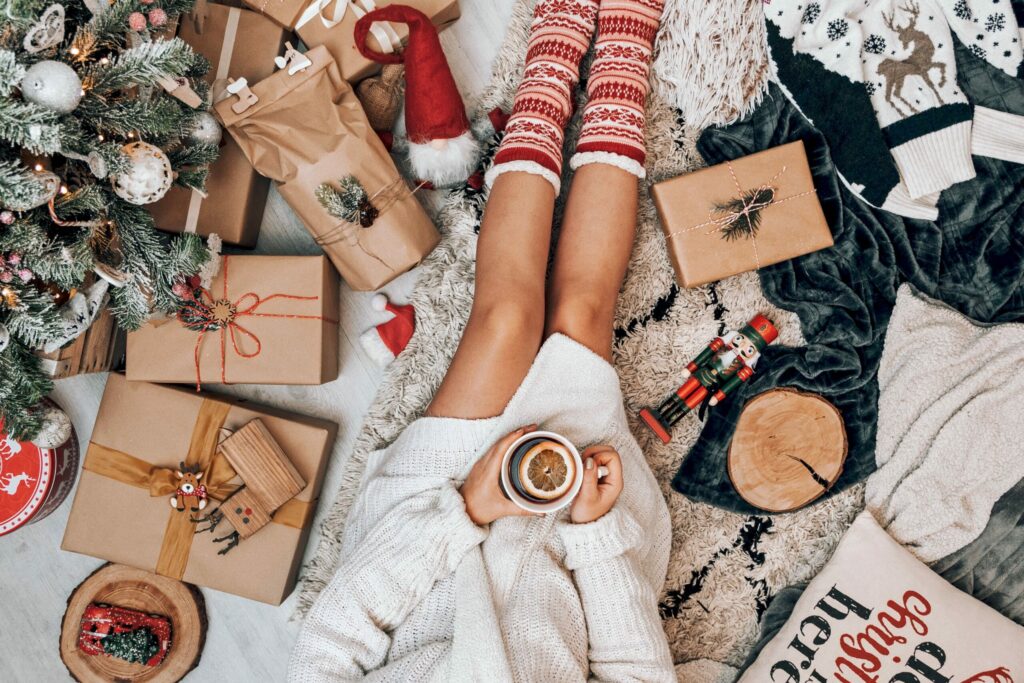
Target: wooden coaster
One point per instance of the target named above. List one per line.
(788, 449)
(122, 586)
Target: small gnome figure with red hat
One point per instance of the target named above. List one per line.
(442, 149)
(724, 364)
(385, 341)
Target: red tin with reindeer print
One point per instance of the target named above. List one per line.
(34, 481)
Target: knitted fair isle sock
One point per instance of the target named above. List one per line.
(559, 37)
(613, 120)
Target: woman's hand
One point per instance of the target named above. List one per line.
(482, 492)
(596, 497)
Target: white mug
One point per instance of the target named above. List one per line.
(551, 505)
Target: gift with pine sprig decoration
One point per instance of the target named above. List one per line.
(742, 215)
(97, 109)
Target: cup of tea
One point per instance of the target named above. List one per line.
(542, 472)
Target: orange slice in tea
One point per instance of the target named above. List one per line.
(547, 471)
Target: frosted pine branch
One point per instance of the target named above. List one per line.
(141, 65)
(11, 72)
(28, 125)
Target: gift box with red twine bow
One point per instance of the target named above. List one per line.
(263, 320)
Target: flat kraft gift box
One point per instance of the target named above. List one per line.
(242, 44)
(122, 511)
(264, 320)
(306, 129)
(741, 215)
(331, 23)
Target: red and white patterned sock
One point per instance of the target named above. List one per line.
(559, 37)
(613, 120)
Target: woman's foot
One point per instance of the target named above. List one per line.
(559, 37)
(614, 119)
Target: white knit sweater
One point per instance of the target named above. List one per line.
(422, 593)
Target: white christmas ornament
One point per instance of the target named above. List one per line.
(148, 177)
(56, 429)
(53, 85)
(206, 129)
(47, 32)
(5, 337)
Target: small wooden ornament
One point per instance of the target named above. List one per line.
(117, 584)
(788, 449)
(270, 480)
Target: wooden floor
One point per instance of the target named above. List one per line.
(247, 641)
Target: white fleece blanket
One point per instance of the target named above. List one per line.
(949, 417)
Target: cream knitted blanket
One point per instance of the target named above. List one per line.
(948, 415)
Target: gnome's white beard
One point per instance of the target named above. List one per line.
(445, 164)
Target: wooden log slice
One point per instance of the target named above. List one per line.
(788, 449)
(122, 586)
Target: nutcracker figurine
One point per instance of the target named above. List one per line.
(723, 365)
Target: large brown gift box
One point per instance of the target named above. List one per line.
(122, 510)
(308, 128)
(264, 320)
(242, 44)
(331, 23)
(741, 215)
(99, 349)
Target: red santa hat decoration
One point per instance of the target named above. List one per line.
(442, 148)
(385, 341)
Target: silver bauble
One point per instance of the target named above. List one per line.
(5, 337)
(206, 129)
(56, 429)
(148, 176)
(53, 85)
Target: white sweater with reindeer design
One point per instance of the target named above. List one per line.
(902, 51)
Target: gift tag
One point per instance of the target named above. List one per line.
(294, 60)
(246, 97)
(179, 88)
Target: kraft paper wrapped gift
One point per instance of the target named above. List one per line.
(122, 511)
(242, 44)
(264, 320)
(306, 129)
(741, 215)
(331, 22)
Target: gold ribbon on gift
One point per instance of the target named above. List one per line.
(162, 481)
(750, 203)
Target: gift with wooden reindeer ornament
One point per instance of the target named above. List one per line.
(741, 215)
(240, 460)
(335, 174)
(263, 320)
(242, 44)
(331, 23)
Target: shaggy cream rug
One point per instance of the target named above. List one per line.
(710, 67)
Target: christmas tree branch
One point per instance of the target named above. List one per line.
(11, 72)
(141, 65)
(30, 126)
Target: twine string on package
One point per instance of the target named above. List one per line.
(205, 314)
(740, 216)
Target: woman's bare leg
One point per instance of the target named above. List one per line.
(594, 247)
(600, 219)
(506, 322)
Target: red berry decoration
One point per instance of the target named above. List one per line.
(157, 17)
(6, 217)
(137, 21)
(25, 274)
